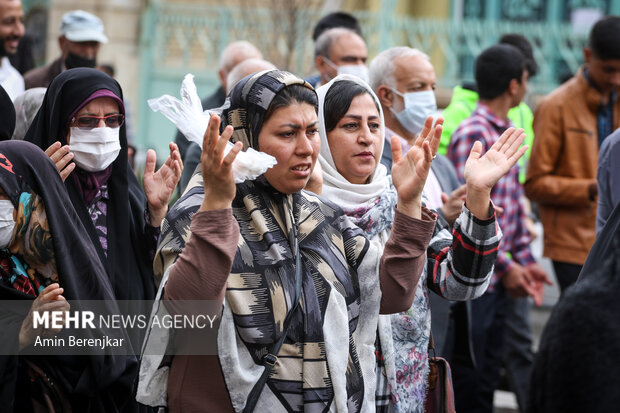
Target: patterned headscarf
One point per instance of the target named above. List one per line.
(327, 360)
(249, 101)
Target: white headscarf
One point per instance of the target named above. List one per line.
(370, 206)
(355, 198)
(336, 187)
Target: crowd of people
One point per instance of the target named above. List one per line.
(383, 230)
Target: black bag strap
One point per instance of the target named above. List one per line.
(269, 360)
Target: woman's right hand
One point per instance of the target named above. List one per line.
(49, 300)
(61, 157)
(410, 170)
(217, 172)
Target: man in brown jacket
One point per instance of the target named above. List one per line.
(569, 125)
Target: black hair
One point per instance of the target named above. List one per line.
(336, 19)
(338, 100)
(292, 94)
(520, 42)
(496, 67)
(604, 38)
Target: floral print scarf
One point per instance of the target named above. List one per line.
(29, 264)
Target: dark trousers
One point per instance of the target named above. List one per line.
(518, 354)
(474, 385)
(566, 274)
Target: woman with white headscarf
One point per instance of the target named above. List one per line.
(459, 262)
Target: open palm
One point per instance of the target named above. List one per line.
(409, 171)
(483, 171)
(159, 186)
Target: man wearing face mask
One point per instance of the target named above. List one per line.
(81, 36)
(340, 51)
(330, 21)
(11, 31)
(404, 80)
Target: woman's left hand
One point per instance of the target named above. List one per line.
(483, 171)
(409, 172)
(159, 186)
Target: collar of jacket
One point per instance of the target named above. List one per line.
(593, 97)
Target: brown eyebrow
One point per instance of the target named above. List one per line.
(296, 126)
(357, 117)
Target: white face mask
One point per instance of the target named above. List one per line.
(7, 224)
(360, 71)
(94, 149)
(418, 106)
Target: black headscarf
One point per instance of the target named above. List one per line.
(603, 253)
(575, 366)
(129, 253)
(90, 381)
(7, 116)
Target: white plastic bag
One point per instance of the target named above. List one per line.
(189, 118)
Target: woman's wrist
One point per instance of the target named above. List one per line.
(157, 215)
(478, 201)
(211, 205)
(412, 208)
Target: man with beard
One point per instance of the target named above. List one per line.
(11, 30)
(81, 35)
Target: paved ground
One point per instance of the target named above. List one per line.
(505, 402)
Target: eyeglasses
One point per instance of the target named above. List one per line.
(90, 122)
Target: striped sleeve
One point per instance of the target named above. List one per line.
(460, 263)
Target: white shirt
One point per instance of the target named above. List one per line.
(10, 79)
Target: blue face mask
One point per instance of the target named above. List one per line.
(418, 106)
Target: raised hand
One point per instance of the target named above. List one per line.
(49, 300)
(217, 173)
(159, 186)
(409, 172)
(61, 157)
(483, 171)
